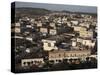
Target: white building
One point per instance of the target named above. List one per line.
(69, 24)
(86, 42)
(30, 62)
(74, 42)
(44, 30)
(49, 45)
(29, 38)
(17, 28)
(64, 20)
(52, 31)
(39, 24)
(29, 26)
(79, 28)
(89, 43)
(74, 22)
(86, 34)
(17, 24)
(32, 20)
(52, 25)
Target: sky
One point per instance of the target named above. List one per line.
(58, 7)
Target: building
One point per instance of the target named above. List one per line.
(49, 45)
(39, 24)
(64, 20)
(79, 28)
(86, 42)
(29, 38)
(74, 22)
(73, 42)
(69, 24)
(52, 42)
(28, 26)
(52, 25)
(32, 20)
(86, 24)
(16, 28)
(44, 30)
(60, 55)
(34, 61)
(52, 31)
(88, 34)
(89, 43)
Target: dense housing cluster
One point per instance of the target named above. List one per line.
(44, 41)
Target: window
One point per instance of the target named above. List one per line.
(92, 41)
(59, 60)
(75, 55)
(24, 63)
(35, 62)
(51, 61)
(28, 63)
(51, 56)
(70, 55)
(49, 44)
(40, 61)
(59, 55)
(56, 60)
(83, 54)
(31, 62)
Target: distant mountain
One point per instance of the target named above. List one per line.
(31, 11)
(79, 12)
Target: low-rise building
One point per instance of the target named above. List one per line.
(28, 26)
(73, 42)
(86, 42)
(88, 34)
(86, 24)
(49, 45)
(34, 61)
(44, 30)
(29, 38)
(16, 28)
(52, 25)
(79, 28)
(74, 22)
(52, 31)
(39, 24)
(58, 56)
(89, 43)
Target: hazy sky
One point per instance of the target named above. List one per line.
(59, 7)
